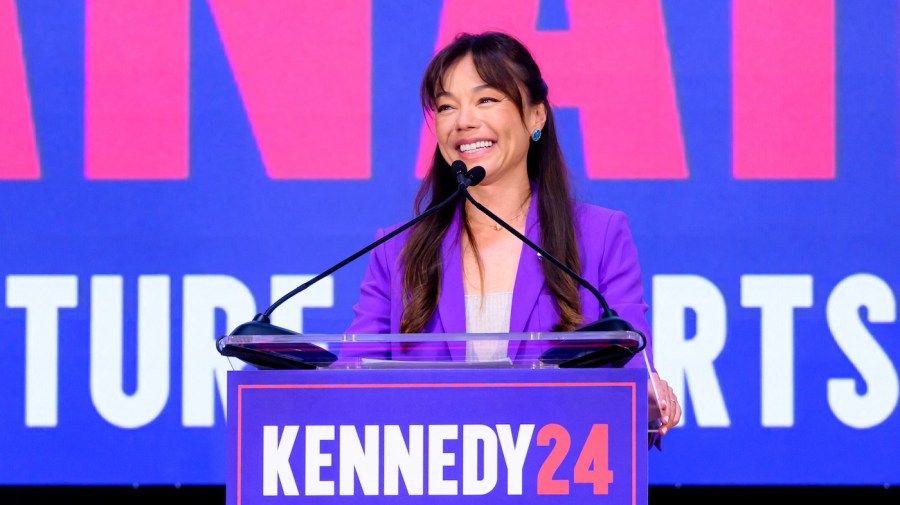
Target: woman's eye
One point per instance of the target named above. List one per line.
(443, 108)
(487, 99)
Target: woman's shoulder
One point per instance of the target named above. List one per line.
(390, 229)
(394, 243)
(588, 214)
(601, 231)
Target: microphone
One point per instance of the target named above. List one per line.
(475, 175)
(261, 323)
(302, 355)
(459, 171)
(609, 319)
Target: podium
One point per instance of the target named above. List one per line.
(560, 417)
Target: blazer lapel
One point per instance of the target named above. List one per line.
(451, 305)
(529, 276)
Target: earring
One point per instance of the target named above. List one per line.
(536, 135)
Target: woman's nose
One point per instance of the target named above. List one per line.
(467, 118)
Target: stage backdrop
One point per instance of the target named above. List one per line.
(169, 168)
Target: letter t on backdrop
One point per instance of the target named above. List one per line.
(612, 64)
(784, 89)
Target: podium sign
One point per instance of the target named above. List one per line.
(415, 435)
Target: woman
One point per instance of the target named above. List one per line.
(457, 271)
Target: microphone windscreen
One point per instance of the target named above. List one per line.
(458, 167)
(476, 175)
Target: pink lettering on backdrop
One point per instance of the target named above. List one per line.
(18, 148)
(612, 64)
(784, 89)
(304, 73)
(136, 89)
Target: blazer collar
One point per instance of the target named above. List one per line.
(530, 275)
(452, 302)
(526, 291)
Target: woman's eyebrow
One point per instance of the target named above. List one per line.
(476, 89)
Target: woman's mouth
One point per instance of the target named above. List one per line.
(476, 148)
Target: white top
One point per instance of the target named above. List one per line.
(487, 315)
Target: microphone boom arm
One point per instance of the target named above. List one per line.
(264, 317)
(541, 251)
(609, 319)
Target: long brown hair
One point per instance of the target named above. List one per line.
(506, 65)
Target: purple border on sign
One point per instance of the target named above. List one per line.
(265, 381)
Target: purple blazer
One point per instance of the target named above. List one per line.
(609, 261)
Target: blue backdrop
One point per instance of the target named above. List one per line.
(801, 391)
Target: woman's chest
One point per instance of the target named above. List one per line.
(499, 264)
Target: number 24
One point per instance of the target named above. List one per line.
(592, 466)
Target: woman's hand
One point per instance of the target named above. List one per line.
(669, 408)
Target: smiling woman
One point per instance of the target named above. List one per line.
(479, 124)
(456, 271)
(484, 89)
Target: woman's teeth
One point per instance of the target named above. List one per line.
(474, 146)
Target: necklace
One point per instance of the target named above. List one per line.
(522, 211)
(515, 218)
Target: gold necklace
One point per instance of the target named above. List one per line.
(522, 210)
(515, 218)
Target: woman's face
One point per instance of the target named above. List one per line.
(480, 125)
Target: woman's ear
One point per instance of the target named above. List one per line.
(538, 117)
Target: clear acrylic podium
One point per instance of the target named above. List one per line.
(558, 350)
(407, 418)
